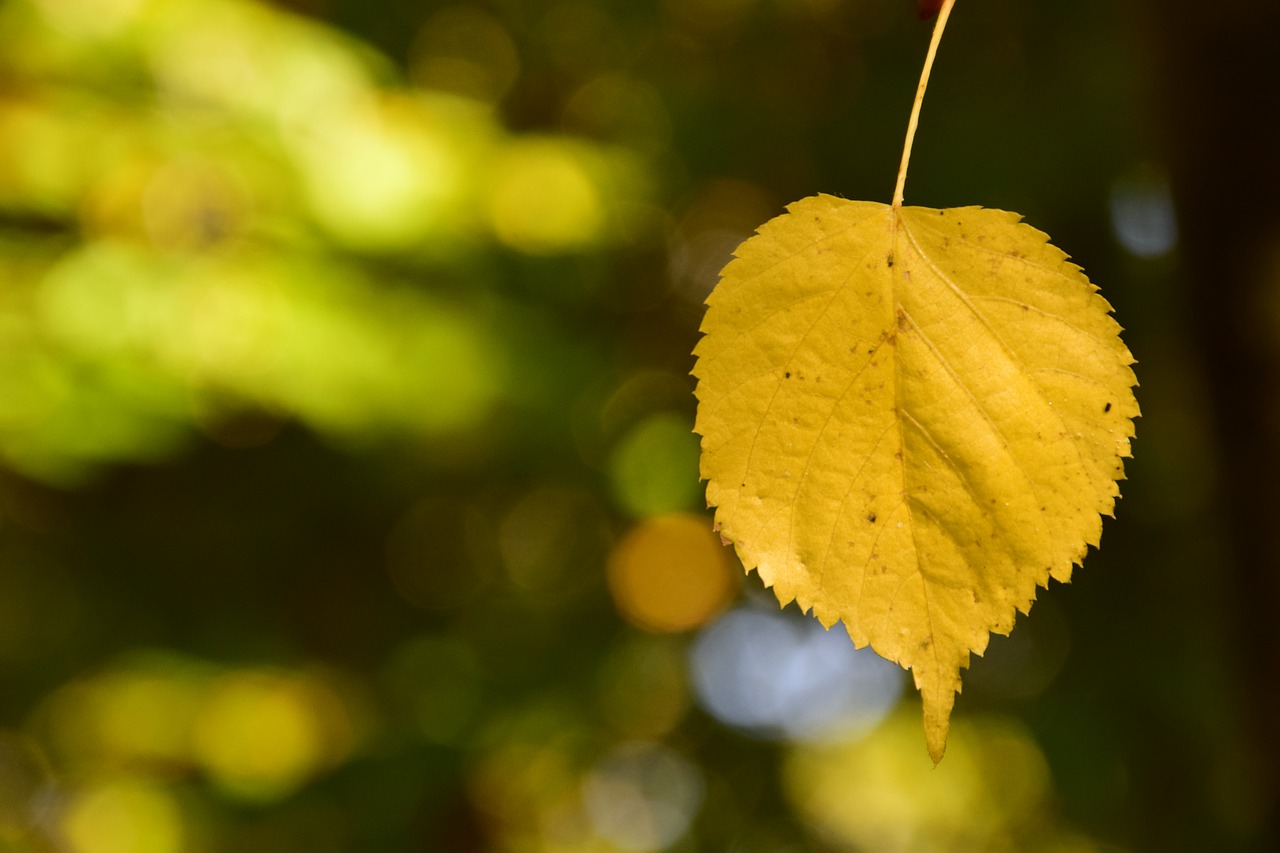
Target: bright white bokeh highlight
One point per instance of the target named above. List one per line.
(779, 675)
(642, 796)
(1143, 218)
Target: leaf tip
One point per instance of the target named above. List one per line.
(936, 741)
(937, 720)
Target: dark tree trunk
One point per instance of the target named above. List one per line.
(1221, 116)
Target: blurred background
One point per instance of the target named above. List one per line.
(348, 493)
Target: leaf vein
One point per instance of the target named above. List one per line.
(813, 449)
(746, 470)
(981, 410)
(1043, 313)
(1012, 355)
(844, 500)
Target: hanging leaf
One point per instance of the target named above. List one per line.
(910, 419)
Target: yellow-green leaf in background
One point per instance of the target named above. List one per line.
(910, 419)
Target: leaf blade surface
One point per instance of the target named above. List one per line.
(910, 419)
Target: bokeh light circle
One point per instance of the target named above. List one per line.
(782, 676)
(670, 573)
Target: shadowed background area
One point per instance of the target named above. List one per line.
(348, 493)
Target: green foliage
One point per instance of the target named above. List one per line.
(228, 210)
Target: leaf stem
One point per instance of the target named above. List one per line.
(938, 27)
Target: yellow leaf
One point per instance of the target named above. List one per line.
(911, 418)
